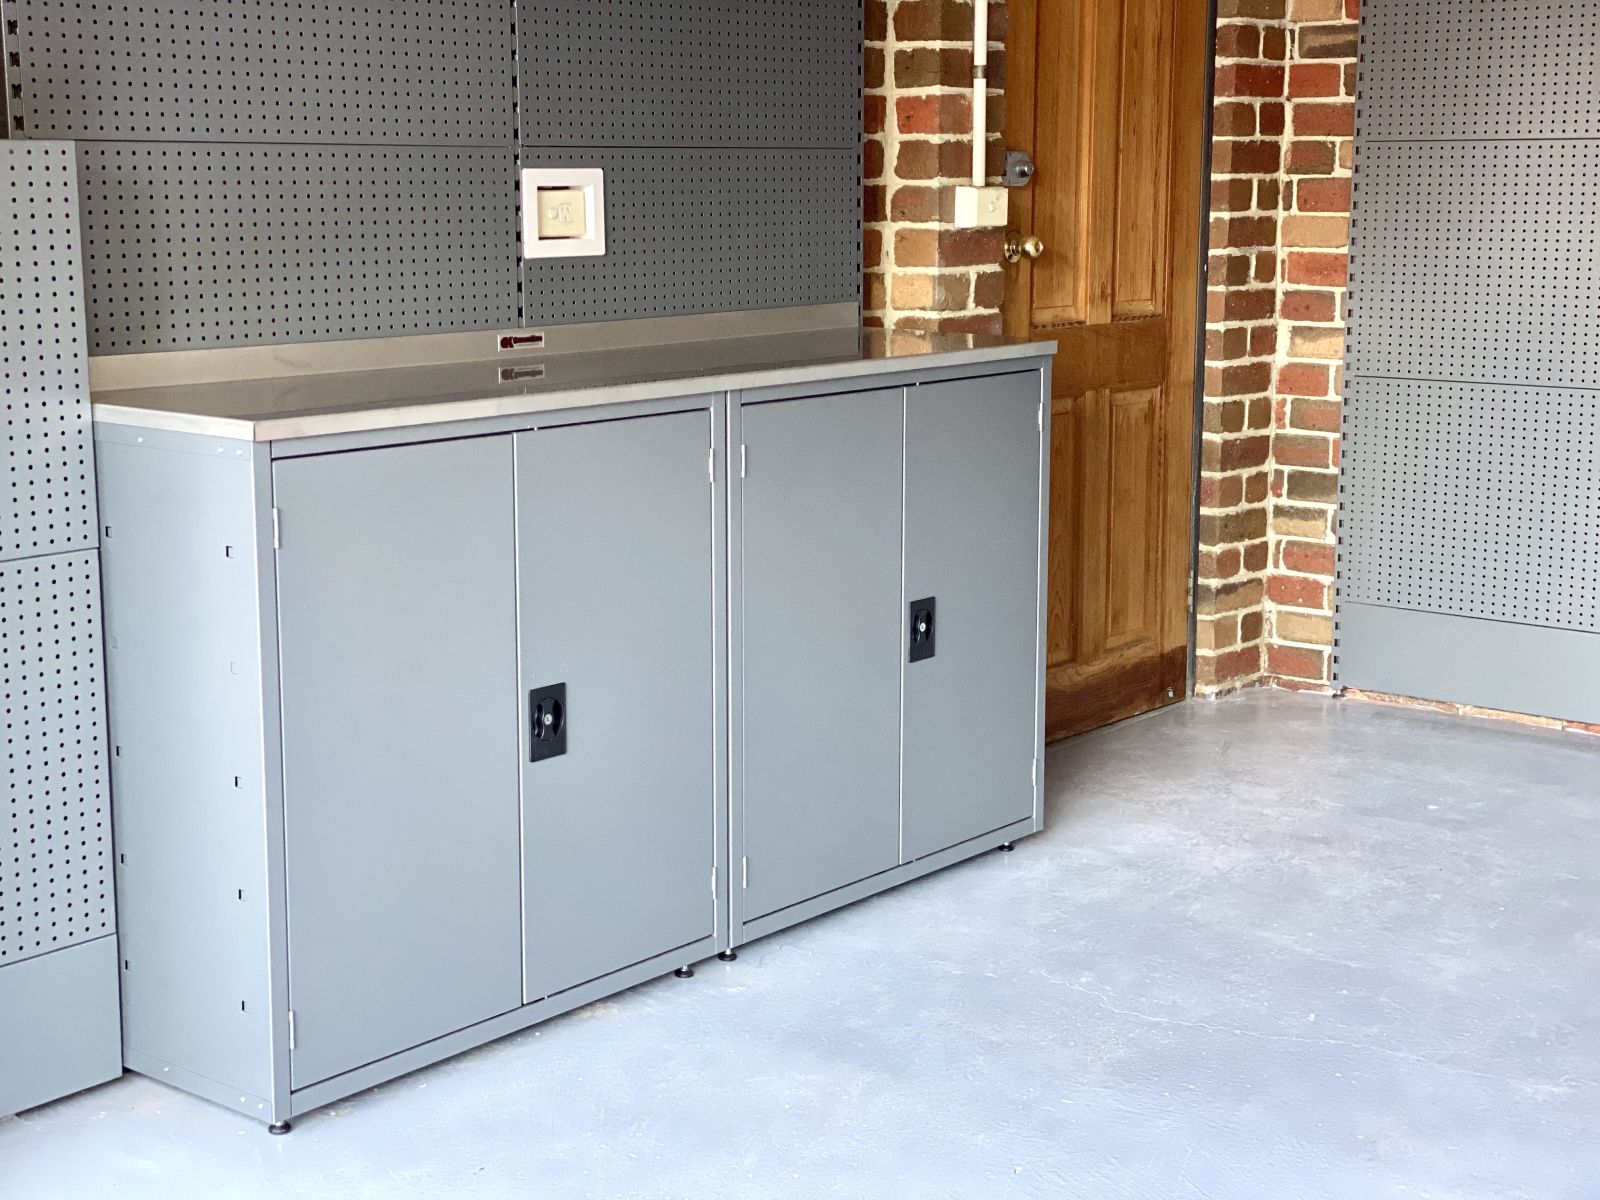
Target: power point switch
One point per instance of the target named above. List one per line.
(562, 213)
(982, 207)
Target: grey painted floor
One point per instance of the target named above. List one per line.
(1271, 947)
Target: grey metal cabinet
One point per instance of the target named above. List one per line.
(973, 537)
(507, 713)
(820, 601)
(889, 591)
(398, 638)
(617, 608)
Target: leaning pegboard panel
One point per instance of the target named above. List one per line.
(1477, 261)
(696, 231)
(55, 826)
(1479, 69)
(708, 73)
(1474, 500)
(424, 72)
(192, 246)
(47, 499)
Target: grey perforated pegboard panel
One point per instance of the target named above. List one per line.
(1477, 260)
(55, 829)
(1473, 499)
(709, 73)
(1469, 557)
(421, 72)
(192, 246)
(692, 231)
(47, 502)
(1480, 69)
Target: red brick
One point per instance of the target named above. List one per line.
(1308, 558)
(1236, 666)
(1323, 195)
(930, 66)
(1319, 270)
(1315, 79)
(1249, 79)
(1234, 120)
(1237, 232)
(1233, 157)
(1325, 120)
(1238, 41)
(1317, 416)
(1303, 450)
(1244, 452)
(1303, 379)
(945, 113)
(1312, 158)
(1298, 591)
(1301, 305)
(1295, 662)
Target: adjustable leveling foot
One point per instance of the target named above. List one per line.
(1008, 847)
(728, 955)
(684, 972)
(279, 1128)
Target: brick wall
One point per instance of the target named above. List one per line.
(921, 273)
(1280, 197)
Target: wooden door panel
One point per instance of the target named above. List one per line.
(1143, 155)
(1062, 617)
(1133, 526)
(1060, 281)
(1109, 97)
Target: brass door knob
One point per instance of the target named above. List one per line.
(1019, 247)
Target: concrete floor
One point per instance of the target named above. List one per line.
(1270, 947)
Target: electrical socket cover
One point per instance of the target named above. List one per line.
(982, 207)
(553, 238)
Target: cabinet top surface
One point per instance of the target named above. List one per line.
(265, 410)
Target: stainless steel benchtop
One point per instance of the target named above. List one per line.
(264, 410)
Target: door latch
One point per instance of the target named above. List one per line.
(547, 722)
(922, 628)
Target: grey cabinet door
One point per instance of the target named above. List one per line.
(820, 552)
(397, 618)
(614, 522)
(972, 545)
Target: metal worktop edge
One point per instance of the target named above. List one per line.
(122, 408)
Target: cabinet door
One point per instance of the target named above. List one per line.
(820, 546)
(972, 547)
(614, 525)
(397, 617)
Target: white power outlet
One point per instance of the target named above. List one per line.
(563, 212)
(982, 207)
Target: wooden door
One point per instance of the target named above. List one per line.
(1109, 98)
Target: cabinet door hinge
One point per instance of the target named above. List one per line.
(713, 883)
(277, 531)
(711, 464)
(291, 1029)
(744, 872)
(743, 461)
(1040, 416)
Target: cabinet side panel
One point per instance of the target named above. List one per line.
(188, 771)
(972, 544)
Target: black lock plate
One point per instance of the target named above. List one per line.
(547, 722)
(923, 627)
